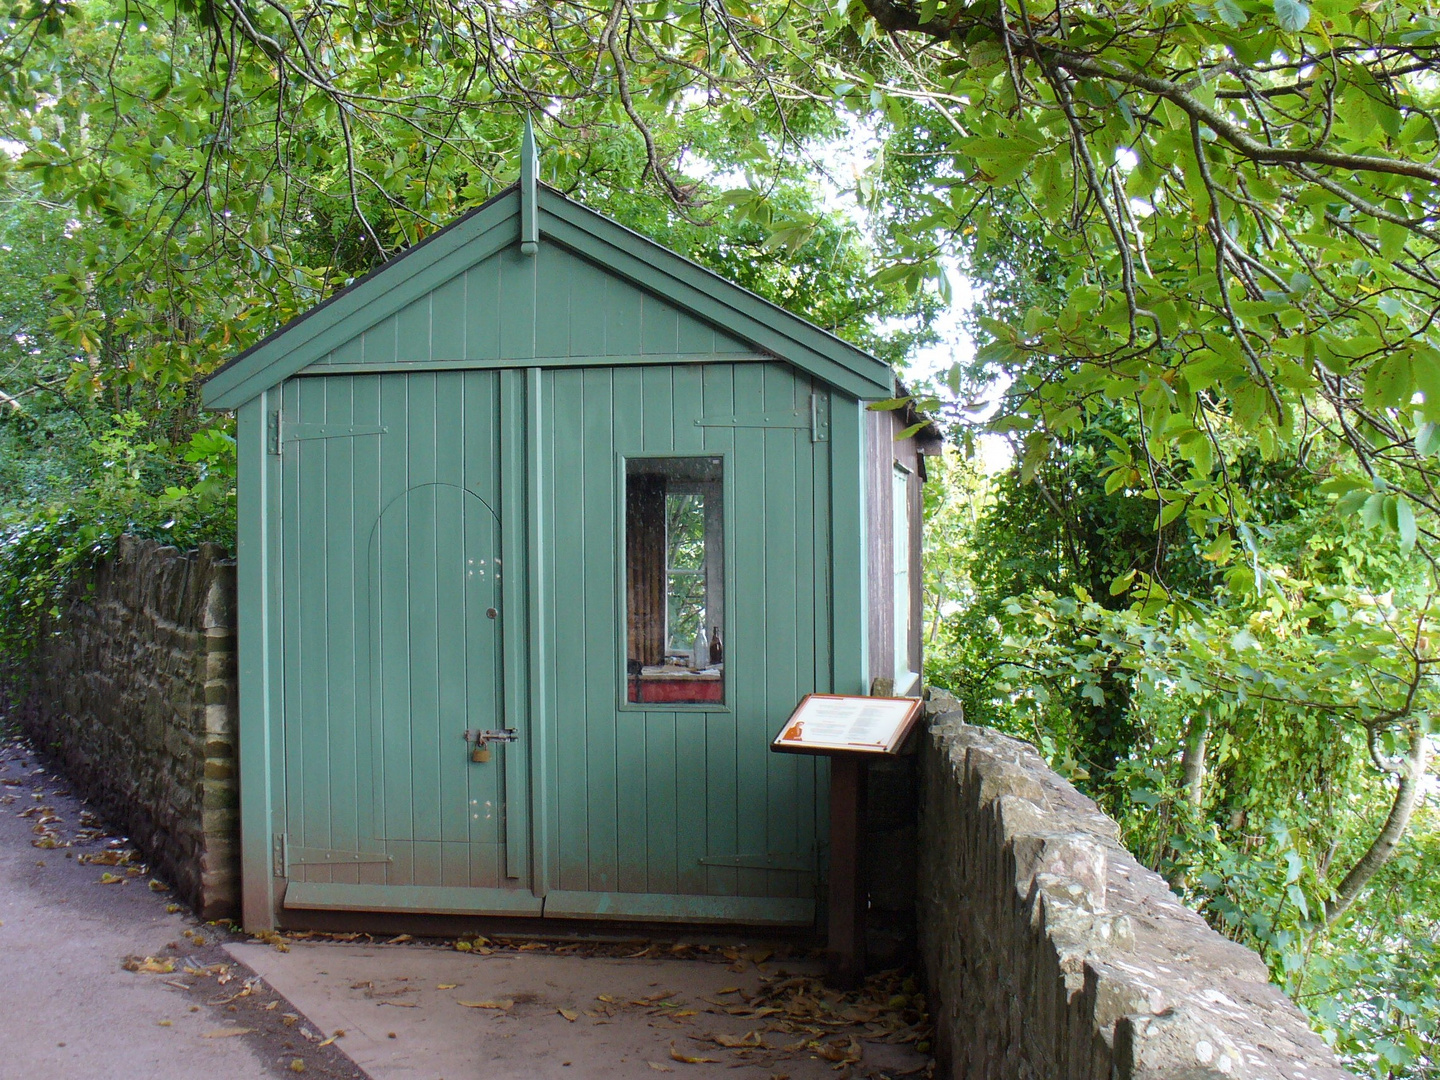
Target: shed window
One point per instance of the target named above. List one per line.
(674, 581)
(904, 676)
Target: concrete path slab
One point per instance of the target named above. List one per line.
(69, 1009)
(412, 1012)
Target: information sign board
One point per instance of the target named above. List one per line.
(836, 724)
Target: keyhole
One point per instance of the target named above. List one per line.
(492, 613)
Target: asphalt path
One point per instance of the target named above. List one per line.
(70, 930)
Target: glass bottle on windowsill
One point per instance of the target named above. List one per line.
(717, 648)
(700, 657)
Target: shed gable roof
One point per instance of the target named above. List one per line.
(593, 292)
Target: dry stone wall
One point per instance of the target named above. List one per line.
(1051, 952)
(133, 689)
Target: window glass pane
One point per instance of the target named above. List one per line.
(901, 489)
(674, 581)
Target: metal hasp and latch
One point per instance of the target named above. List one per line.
(479, 740)
(815, 418)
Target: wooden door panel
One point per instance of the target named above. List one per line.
(392, 633)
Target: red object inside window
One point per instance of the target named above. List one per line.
(676, 691)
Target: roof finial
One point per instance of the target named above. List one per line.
(529, 167)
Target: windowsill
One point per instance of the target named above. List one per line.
(676, 686)
(907, 684)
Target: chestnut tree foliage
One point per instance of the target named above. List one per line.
(1205, 236)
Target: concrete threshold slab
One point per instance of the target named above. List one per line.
(535, 1016)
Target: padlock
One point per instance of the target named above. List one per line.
(480, 752)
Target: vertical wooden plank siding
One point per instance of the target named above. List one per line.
(366, 503)
(722, 782)
(536, 575)
(684, 800)
(749, 652)
(256, 564)
(389, 572)
(594, 669)
(684, 813)
(489, 314)
(437, 543)
(515, 623)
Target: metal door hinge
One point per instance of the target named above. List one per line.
(287, 856)
(282, 431)
(796, 863)
(814, 418)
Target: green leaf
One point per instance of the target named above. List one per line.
(1390, 382)
(1427, 439)
(1292, 15)
(1405, 523)
(1230, 12)
(1426, 371)
(1001, 160)
(1372, 511)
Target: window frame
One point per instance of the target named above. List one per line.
(622, 631)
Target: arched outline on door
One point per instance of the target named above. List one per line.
(377, 828)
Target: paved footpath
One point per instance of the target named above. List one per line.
(69, 1009)
(103, 975)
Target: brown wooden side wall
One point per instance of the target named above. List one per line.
(882, 454)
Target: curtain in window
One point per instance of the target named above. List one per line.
(645, 566)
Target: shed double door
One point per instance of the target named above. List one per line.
(394, 609)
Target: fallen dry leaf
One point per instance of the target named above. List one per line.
(108, 878)
(399, 939)
(271, 938)
(845, 1054)
(152, 965)
(569, 1014)
(676, 1055)
(297, 1065)
(103, 858)
(733, 1042)
(503, 1005)
(659, 1066)
(226, 1033)
(446, 986)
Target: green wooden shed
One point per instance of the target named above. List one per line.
(543, 530)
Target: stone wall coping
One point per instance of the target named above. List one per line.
(1167, 993)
